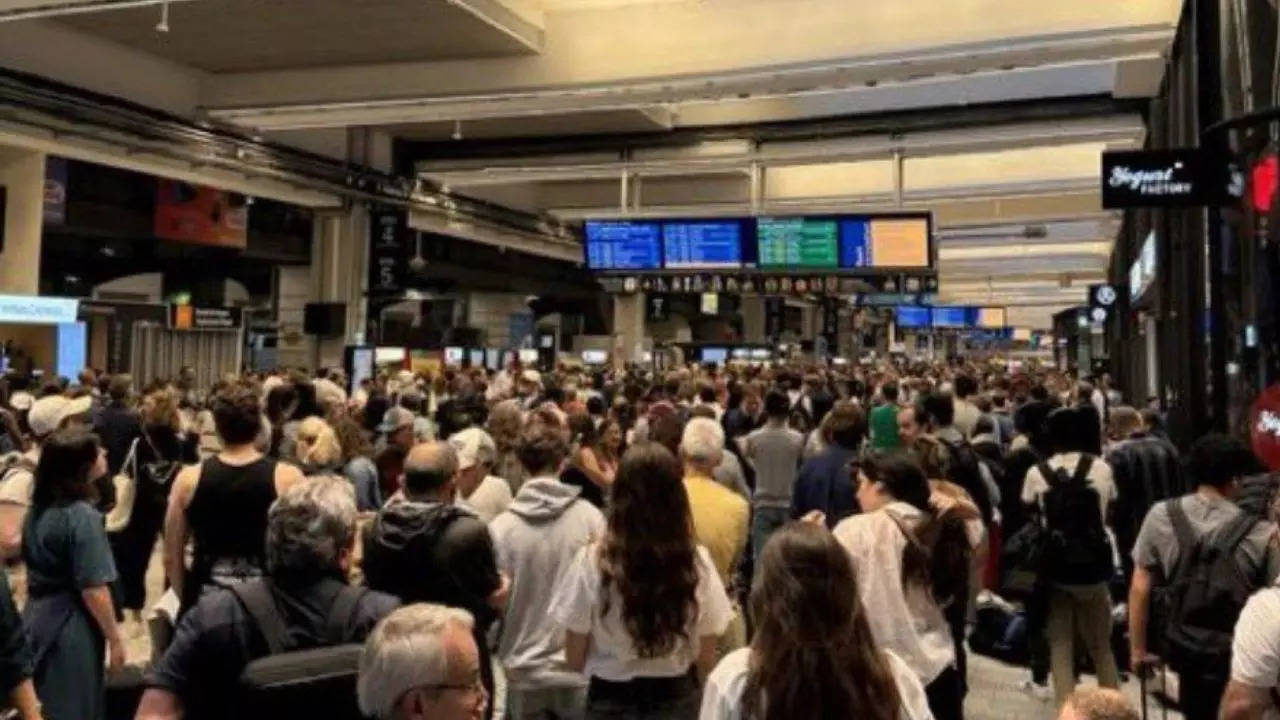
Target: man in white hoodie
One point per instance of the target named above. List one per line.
(535, 540)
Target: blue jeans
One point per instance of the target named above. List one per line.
(764, 520)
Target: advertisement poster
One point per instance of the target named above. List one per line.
(200, 215)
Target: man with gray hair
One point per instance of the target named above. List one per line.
(422, 663)
(424, 548)
(719, 515)
(310, 538)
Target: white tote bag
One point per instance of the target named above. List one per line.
(126, 484)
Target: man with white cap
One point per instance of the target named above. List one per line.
(17, 481)
(478, 491)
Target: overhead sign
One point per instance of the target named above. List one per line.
(1143, 270)
(1162, 178)
(1264, 427)
(388, 251)
(36, 310)
(189, 317)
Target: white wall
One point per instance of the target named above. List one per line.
(144, 287)
(294, 289)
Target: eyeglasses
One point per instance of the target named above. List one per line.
(474, 687)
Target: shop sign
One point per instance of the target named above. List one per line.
(1162, 178)
(1264, 427)
(388, 251)
(36, 310)
(189, 317)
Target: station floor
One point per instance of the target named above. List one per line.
(995, 688)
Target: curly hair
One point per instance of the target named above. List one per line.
(648, 552)
(817, 656)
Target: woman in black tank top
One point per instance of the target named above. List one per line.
(222, 504)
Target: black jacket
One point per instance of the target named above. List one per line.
(431, 552)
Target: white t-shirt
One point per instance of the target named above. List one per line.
(576, 606)
(1255, 648)
(489, 499)
(1100, 479)
(722, 696)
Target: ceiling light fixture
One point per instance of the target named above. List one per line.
(457, 130)
(163, 25)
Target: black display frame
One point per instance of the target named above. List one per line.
(750, 246)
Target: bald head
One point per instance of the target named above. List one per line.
(429, 471)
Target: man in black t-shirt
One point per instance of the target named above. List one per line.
(310, 535)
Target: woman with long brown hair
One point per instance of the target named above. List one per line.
(642, 608)
(912, 554)
(813, 655)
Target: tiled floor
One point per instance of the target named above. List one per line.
(995, 693)
(995, 688)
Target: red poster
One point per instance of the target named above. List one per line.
(200, 215)
(1264, 427)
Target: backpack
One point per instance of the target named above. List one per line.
(291, 683)
(965, 470)
(1077, 540)
(1206, 592)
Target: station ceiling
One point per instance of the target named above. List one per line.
(494, 94)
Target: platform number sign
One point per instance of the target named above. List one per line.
(388, 228)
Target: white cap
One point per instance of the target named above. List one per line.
(329, 392)
(531, 376)
(473, 446)
(21, 400)
(46, 414)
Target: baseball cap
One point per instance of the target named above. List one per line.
(46, 414)
(21, 400)
(473, 446)
(76, 406)
(394, 419)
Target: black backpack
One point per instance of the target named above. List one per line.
(964, 468)
(1077, 540)
(292, 683)
(1205, 594)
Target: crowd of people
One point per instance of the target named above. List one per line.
(779, 541)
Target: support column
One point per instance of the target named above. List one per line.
(338, 255)
(753, 324)
(628, 327)
(22, 176)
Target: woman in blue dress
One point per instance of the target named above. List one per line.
(70, 615)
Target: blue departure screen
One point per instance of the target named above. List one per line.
(702, 244)
(855, 243)
(623, 245)
(913, 316)
(951, 317)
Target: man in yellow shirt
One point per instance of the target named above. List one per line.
(720, 515)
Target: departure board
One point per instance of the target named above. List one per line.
(889, 243)
(950, 317)
(898, 242)
(990, 318)
(702, 244)
(855, 243)
(798, 242)
(913, 316)
(623, 245)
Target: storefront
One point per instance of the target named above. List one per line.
(41, 336)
